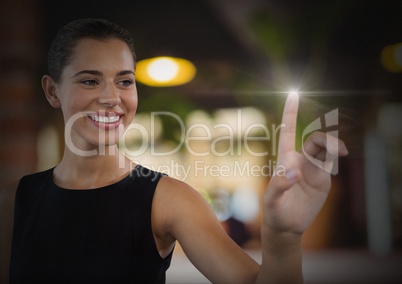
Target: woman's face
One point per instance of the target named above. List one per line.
(97, 93)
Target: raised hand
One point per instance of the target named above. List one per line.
(294, 197)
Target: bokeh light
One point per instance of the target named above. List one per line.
(165, 71)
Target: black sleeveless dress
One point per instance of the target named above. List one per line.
(101, 235)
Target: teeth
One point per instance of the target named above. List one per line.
(104, 119)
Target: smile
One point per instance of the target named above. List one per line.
(104, 119)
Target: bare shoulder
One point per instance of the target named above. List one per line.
(178, 191)
(180, 212)
(175, 205)
(178, 208)
(175, 199)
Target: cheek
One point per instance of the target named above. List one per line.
(129, 104)
(72, 105)
(132, 103)
(71, 99)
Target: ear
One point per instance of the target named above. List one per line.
(49, 87)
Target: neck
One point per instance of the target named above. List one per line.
(106, 166)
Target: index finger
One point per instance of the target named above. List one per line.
(287, 137)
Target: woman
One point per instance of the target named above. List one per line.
(94, 219)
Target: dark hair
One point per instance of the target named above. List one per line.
(68, 36)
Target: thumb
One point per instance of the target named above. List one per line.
(282, 182)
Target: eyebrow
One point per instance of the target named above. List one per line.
(99, 73)
(125, 72)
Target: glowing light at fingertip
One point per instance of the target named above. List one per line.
(294, 93)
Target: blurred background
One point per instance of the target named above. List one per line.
(344, 55)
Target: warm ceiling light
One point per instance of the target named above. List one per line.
(391, 57)
(164, 71)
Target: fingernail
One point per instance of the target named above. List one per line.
(291, 175)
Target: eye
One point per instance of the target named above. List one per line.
(126, 83)
(90, 82)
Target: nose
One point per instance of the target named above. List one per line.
(110, 96)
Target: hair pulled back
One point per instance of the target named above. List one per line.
(67, 37)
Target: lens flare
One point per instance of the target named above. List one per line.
(293, 93)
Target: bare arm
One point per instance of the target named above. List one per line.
(291, 203)
(189, 219)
